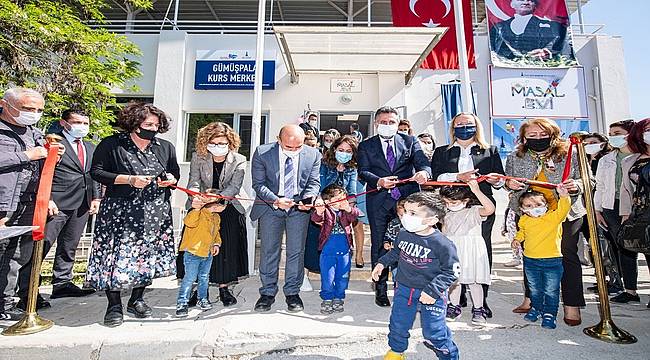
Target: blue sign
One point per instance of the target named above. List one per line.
(231, 75)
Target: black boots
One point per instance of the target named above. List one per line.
(114, 316)
(226, 296)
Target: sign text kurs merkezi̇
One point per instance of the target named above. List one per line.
(231, 75)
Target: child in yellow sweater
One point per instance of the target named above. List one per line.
(201, 241)
(541, 232)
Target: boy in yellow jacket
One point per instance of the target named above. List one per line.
(201, 241)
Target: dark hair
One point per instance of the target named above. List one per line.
(459, 193)
(428, 200)
(623, 124)
(530, 194)
(329, 157)
(331, 191)
(385, 110)
(603, 139)
(405, 122)
(354, 126)
(427, 135)
(134, 113)
(65, 115)
(635, 137)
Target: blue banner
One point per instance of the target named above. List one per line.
(231, 75)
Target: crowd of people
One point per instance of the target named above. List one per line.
(314, 193)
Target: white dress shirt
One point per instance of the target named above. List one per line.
(283, 159)
(384, 146)
(72, 142)
(519, 23)
(465, 163)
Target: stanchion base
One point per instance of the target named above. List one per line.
(607, 331)
(31, 323)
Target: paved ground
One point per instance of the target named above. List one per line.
(358, 333)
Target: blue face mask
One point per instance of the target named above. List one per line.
(343, 157)
(465, 132)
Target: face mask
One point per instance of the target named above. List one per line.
(313, 122)
(458, 207)
(537, 212)
(387, 131)
(592, 149)
(646, 137)
(465, 132)
(78, 131)
(404, 132)
(343, 157)
(618, 141)
(26, 118)
(218, 150)
(146, 134)
(538, 145)
(413, 223)
(327, 144)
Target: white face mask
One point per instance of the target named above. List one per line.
(536, 212)
(592, 149)
(426, 147)
(26, 118)
(327, 144)
(313, 123)
(403, 132)
(413, 223)
(458, 207)
(618, 141)
(78, 131)
(218, 150)
(646, 137)
(387, 131)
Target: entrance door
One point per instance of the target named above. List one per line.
(341, 121)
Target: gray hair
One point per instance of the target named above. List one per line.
(16, 93)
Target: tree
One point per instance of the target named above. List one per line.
(48, 46)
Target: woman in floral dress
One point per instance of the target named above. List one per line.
(133, 240)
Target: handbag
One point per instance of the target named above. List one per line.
(634, 234)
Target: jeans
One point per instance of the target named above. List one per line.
(544, 277)
(432, 317)
(335, 267)
(196, 267)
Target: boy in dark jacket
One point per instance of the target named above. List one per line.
(428, 265)
(334, 243)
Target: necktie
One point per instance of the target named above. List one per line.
(80, 153)
(390, 158)
(288, 178)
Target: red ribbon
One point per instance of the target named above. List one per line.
(567, 166)
(44, 191)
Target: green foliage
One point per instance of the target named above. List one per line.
(46, 45)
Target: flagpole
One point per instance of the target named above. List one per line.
(463, 65)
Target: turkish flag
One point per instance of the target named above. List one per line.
(437, 13)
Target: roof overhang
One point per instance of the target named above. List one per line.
(320, 49)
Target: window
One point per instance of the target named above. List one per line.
(245, 122)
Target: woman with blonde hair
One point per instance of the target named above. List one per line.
(466, 156)
(217, 166)
(541, 155)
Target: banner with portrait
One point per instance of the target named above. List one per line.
(530, 33)
(535, 92)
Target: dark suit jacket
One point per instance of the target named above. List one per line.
(538, 34)
(373, 166)
(307, 127)
(445, 160)
(72, 186)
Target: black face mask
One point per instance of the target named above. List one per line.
(538, 145)
(145, 134)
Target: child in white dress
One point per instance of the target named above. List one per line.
(462, 225)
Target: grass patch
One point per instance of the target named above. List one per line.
(78, 271)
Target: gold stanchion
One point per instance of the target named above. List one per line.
(605, 330)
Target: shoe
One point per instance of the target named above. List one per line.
(194, 298)
(41, 303)
(69, 289)
(612, 290)
(326, 307)
(294, 303)
(548, 321)
(463, 298)
(12, 314)
(625, 297)
(306, 285)
(478, 316)
(359, 265)
(181, 311)
(453, 312)
(204, 304)
(114, 316)
(532, 315)
(572, 322)
(139, 309)
(521, 309)
(264, 303)
(391, 355)
(486, 309)
(337, 305)
(381, 297)
(513, 263)
(227, 298)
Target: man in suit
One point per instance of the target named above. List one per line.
(526, 35)
(311, 125)
(383, 160)
(74, 197)
(283, 175)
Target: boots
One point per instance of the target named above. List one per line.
(227, 297)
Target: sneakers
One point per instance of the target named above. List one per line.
(181, 311)
(391, 355)
(625, 297)
(532, 315)
(548, 321)
(306, 285)
(478, 316)
(204, 304)
(337, 305)
(513, 263)
(453, 312)
(326, 307)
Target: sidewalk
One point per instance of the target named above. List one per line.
(358, 333)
